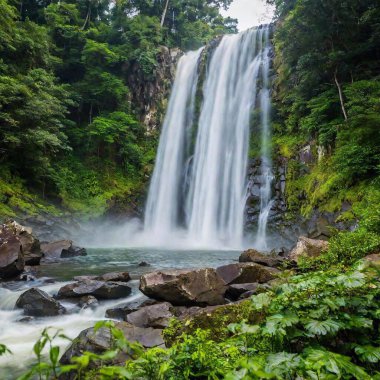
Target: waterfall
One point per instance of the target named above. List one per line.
(199, 185)
(266, 161)
(163, 204)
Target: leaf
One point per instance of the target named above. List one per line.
(368, 353)
(322, 327)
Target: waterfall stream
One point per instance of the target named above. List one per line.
(199, 186)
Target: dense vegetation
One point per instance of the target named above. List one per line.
(328, 92)
(70, 127)
(320, 321)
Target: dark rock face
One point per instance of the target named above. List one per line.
(99, 342)
(98, 289)
(37, 303)
(151, 94)
(185, 287)
(61, 249)
(156, 316)
(308, 248)
(255, 181)
(11, 258)
(253, 256)
(234, 291)
(241, 273)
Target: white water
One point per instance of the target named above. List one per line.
(20, 337)
(266, 162)
(198, 189)
(161, 215)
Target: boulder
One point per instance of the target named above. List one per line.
(11, 258)
(100, 340)
(61, 249)
(29, 244)
(234, 291)
(156, 316)
(308, 248)
(186, 287)
(253, 256)
(113, 276)
(98, 289)
(37, 303)
(241, 273)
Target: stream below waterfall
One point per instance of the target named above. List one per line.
(19, 337)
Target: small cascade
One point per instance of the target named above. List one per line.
(199, 185)
(266, 162)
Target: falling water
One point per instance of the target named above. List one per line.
(163, 205)
(266, 162)
(199, 182)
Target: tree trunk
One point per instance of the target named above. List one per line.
(164, 13)
(87, 17)
(340, 96)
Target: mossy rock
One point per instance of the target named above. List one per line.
(215, 319)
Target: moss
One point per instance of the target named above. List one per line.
(215, 320)
(16, 199)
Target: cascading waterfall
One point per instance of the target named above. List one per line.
(198, 189)
(163, 204)
(266, 162)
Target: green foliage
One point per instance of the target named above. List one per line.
(64, 99)
(320, 325)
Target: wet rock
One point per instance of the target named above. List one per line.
(113, 276)
(26, 319)
(186, 287)
(86, 302)
(37, 303)
(308, 248)
(241, 273)
(253, 256)
(156, 316)
(144, 264)
(61, 249)
(11, 258)
(100, 341)
(234, 291)
(98, 289)
(121, 311)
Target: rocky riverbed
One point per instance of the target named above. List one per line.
(60, 285)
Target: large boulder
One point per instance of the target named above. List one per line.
(308, 248)
(185, 287)
(98, 289)
(30, 245)
(156, 316)
(11, 258)
(37, 303)
(61, 249)
(241, 273)
(253, 256)
(99, 341)
(113, 276)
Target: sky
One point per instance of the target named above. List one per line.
(249, 13)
